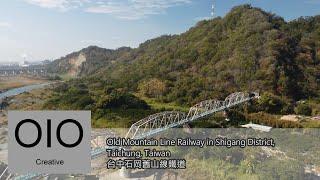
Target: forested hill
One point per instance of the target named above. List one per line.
(248, 49)
(86, 61)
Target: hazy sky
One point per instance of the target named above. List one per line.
(49, 29)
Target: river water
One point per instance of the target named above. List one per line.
(20, 90)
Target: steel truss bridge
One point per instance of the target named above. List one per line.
(160, 122)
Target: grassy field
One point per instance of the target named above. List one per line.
(18, 81)
(27, 101)
(66, 77)
(119, 118)
(32, 100)
(160, 106)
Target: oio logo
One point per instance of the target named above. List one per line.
(49, 141)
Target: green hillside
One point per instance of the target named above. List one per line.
(86, 61)
(248, 49)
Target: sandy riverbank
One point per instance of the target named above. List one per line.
(18, 81)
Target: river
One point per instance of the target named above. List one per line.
(20, 90)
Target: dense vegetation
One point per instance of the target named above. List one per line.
(248, 49)
(105, 103)
(95, 58)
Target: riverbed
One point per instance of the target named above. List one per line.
(20, 90)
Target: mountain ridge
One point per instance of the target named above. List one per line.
(75, 64)
(247, 49)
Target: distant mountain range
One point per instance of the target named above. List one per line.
(248, 49)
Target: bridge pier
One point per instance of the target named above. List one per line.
(187, 128)
(226, 115)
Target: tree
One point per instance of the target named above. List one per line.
(153, 88)
(270, 103)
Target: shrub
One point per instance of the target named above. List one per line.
(303, 109)
(270, 103)
(121, 100)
